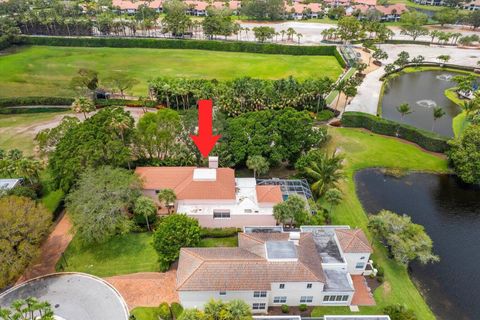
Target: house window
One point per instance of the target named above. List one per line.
(282, 286)
(332, 298)
(258, 306)
(279, 299)
(338, 298)
(221, 214)
(360, 265)
(306, 299)
(362, 258)
(344, 298)
(247, 210)
(309, 286)
(325, 298)
(259, 294)
(223, 293)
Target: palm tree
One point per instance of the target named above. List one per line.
(283, 34)
(168, 198)
(340, 87)
(258, 164)
(239, 310)
(290, 33)
(469, 106)
(83, 105)
(324, 173)
(438, 112)
(404, 109)
(144, 206)
(299, 35)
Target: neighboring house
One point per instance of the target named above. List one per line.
(130, 7)
(299, 11)
(467, 5)
(272, 267)
(390, 12)
(213, 195)
(9, 184)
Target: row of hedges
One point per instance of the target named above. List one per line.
(215, 45)
(125, 103)
(219, 232)
(393, 41)
(426, 139)
(35, 101)
(31, 110)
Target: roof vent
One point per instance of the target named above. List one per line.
(212, 162)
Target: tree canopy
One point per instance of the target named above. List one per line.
(28, 309)
(407, 241)
(24, 224)
(219, 310)
(293, 211)
(97, 141)
(173, 233)
(464, 154)
(100, 202)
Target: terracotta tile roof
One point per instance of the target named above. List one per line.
(366, 2)
(269, 194)
(126, 4)
(180, 180)
(217, 269)
(397, 8)
(353, 241)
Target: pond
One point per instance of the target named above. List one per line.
(423, 91)
(450, 213)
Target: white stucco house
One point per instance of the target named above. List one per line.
(213, 195)
(272, 267)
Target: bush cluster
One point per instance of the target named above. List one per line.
(30, 110)
(427, 140)
(218, 232)
(35, 101)
(4, 43)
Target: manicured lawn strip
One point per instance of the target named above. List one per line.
(460, 122)
(333, 94)
(123, 254)
(53, 199)
(432, 68)
(47, 71)
(16, 131)
(146, 313)
(366, 150)
(219, 242)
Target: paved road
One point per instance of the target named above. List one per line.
(368, 93)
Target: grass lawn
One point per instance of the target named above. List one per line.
(18, 130)
(123, 254)
(146, 313)
(460, 122)
(47, 71)
(219, 242)
(366, 150)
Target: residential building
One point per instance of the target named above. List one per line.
(468, 5)
(130, 7)
(271, 267)
(389, 12)
(213, 195)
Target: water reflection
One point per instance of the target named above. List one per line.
(450, 212)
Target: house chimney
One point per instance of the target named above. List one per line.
(213, 162)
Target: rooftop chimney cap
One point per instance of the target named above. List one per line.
(213, 162)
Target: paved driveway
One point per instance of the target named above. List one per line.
(146, 289)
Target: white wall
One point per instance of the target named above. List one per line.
(294, 290)
(354, 258)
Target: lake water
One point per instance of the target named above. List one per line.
(450, 213)
(422, 91)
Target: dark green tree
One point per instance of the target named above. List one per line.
(464, 155)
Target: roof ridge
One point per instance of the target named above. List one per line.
(194, 271)
(252, 237)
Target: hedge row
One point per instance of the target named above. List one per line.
(8, 110)
(392, 41)
(218, 232)
(215, 45)
(426, 139)
(35, 101)
(126, 103)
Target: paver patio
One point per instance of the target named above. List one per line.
(363, 295)
(146, 289)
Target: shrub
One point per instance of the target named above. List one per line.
(380, 279)
(325, 115)
(30, 110)
(4, 43)
(164, 311)
(303, 307)
(399, 312)
(218, 232)
(380, 272)
(35, 101)
(176, 309)
(427, 140)
(285, 308)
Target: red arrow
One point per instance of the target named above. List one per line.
(205, 140)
